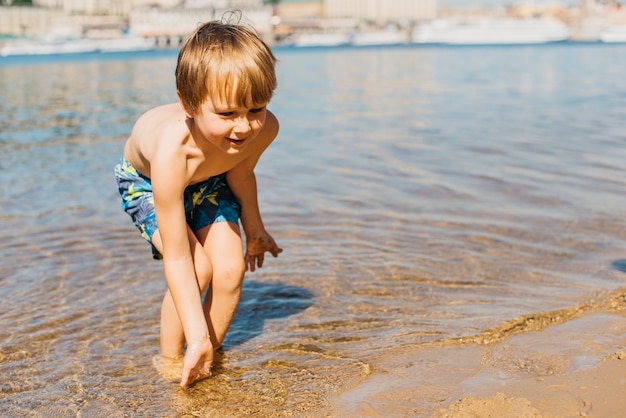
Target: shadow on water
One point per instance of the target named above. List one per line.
(263, 301)
(619, 265)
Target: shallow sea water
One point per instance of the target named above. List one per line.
(424, 197)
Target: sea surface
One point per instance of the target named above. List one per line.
(424, 196)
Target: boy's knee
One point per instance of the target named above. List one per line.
(229, 277)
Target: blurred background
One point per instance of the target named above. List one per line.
(145, 24)
(446, 176)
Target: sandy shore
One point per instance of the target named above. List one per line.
(595, 392)
(577, 368)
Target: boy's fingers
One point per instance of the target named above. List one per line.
(250, 263)
(184, 381)
(254, 261)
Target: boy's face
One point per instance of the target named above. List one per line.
(229, 127)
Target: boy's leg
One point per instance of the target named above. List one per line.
(172, 336)
(222, 243)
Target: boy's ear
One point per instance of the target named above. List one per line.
(185, 108)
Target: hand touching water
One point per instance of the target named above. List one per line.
(197, 361)
(256, 248)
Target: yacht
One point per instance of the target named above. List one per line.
(379, 37)
(76, 46)
(321, 39)
(47, 47)
(613, 34)
(491, 32)
(126, 44)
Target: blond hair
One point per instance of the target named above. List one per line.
(227, 63)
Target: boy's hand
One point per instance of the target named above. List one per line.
(256, 248)
(197, 361)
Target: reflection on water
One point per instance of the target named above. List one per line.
(424, 196)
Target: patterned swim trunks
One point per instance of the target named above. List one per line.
(207, 202)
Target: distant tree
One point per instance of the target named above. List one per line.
(17, 2)
(272, 2)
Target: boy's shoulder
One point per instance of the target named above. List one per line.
(165, 120)
(159, 131)
(162, 114)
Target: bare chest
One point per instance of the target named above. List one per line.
(200, 167)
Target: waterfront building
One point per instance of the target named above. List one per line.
(362, 22)
(102, 7)
(124, 7)
(170, 26)
(297, 9)
(167, 21)
(27, 20)
(378, 11)
(381, 11)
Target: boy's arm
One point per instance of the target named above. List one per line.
(168, 182)
(242, 181)
(258, 241)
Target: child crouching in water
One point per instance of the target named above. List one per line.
(187, 177)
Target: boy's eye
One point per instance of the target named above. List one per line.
(257, 110)
(226, 114)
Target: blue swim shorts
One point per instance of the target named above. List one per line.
(206, 202)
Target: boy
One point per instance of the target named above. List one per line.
(186, 178)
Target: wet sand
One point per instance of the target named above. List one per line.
(594, 392)
(576, 368)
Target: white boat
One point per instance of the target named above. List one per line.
(126, 44)
(75, 46)
(47, 47)
(322, 39)
(491, 32)
(614, 34)
(379, 37)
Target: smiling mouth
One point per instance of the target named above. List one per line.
(236, 141)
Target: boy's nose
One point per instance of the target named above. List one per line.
(242, 125)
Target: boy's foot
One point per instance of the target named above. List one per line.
(170, 368)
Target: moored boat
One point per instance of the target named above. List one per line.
(613, 34)
(47, 47)
(379, 37)
(491, 32)
(75, 46)
(321, 39)
(126, 44)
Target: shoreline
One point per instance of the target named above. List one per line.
(593, 392)
(577, 368)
